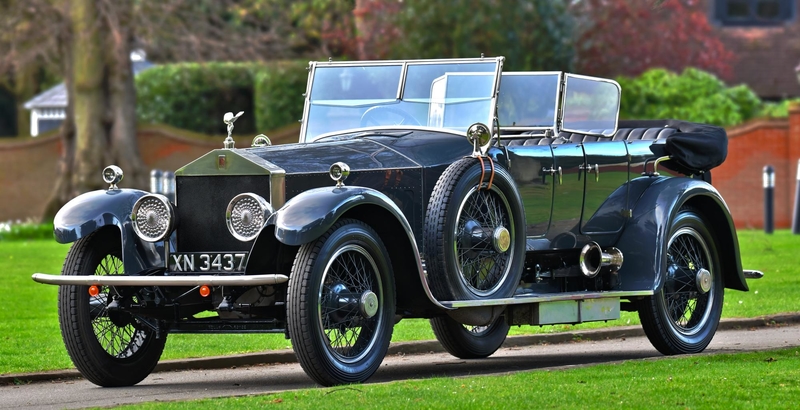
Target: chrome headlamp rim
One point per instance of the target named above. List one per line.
(339, 171)
(266, 210)
(112, 175)
(168, 207)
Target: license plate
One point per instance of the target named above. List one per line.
(207, 262)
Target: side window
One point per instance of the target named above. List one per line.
(753, 12)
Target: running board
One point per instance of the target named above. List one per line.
(533, 298)
(753, 274)
(126, 280)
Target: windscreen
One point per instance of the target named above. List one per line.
(528, 100)
(430, 94)
(591, 105)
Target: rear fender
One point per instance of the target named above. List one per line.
(94, 210)
(644, 239)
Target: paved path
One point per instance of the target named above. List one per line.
(252, 379)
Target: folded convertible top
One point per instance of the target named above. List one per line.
(695, 148)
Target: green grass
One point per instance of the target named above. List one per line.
(767, 379)
(30, 338)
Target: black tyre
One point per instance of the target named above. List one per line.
(683, 316)
(474, 234)
(110, 349)
(341, 304)
(469, 342)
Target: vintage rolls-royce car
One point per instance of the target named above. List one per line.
(440, 189)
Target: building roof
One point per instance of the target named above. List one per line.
(56, 97)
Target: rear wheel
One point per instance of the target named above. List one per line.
(341, 304)
(469, 342)
(109, 348)
(682, 317)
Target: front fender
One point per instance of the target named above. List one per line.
(309, 215)
(93, 210)
(644, 238)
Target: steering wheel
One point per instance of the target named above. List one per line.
(383, 115)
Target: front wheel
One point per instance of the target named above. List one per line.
(109, 348)
(683, 316)
(469, 342)
(341, 304)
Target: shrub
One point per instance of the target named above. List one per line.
(195, 96)
(777, 109)
(19, 230)
(694, 95)
(279, 92)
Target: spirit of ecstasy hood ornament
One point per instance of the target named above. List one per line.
(229, 119)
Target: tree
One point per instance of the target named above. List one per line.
(532, 35)
(626, 37)
(88, 43)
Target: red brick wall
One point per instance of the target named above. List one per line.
(27, 173)
(752, 146)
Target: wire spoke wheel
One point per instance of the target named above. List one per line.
(107, 346)
(482, 267)
(118, 339)
(341, 304)
(469, 342)
(349, 333)
(688, 308)
(683, 315)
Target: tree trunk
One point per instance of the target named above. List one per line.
(102, 101)
(362, 28)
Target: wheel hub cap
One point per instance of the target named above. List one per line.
(502, 239)
(368, 304)
(703, 280)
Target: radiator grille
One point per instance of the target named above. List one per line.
(201, 203)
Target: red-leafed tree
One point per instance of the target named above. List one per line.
(626, 37)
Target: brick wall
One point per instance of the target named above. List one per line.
(28, 168)
(752, 146)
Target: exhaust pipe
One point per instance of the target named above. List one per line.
(593, 259)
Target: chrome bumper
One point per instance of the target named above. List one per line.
(124, 280)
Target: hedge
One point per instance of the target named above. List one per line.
(195, 96)
(693, 95)
(279, 94)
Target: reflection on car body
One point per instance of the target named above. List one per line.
(549, 211)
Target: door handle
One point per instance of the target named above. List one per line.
(591, 168)
(552, 171)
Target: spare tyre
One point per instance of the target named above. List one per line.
(474, 238)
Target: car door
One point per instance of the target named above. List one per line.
(530, 166)
(606, 196)
(568, 195)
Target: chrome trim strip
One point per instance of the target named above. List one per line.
(126, 280)
(524, 299)
(312, 65)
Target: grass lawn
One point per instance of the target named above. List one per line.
(30, 339)
(768, 379)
